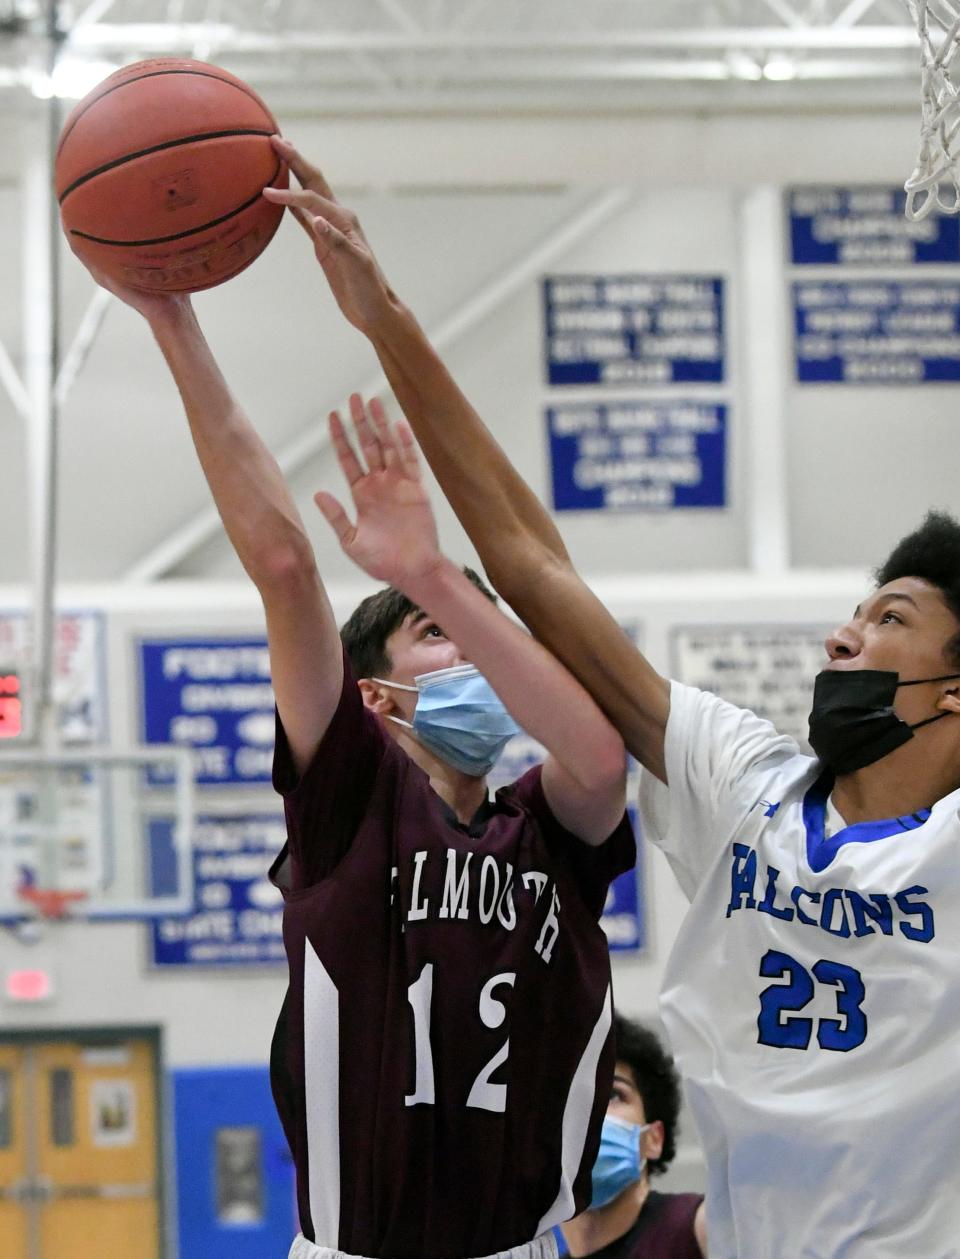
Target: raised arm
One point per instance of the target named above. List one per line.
(394, 539)
(261, 521)
(517, 541)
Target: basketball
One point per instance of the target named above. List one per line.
(159, 171)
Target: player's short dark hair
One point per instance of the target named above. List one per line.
(657, 1080)
(932, 553)
(364, 634)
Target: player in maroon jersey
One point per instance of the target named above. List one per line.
(444, 1055)
(627, 1218)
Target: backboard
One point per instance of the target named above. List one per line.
(78, 822)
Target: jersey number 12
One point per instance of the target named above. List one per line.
(483, 1095)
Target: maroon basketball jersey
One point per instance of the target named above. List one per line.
(664, 1230)
(443, 1061)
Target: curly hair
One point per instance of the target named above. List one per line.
(657, 1081)
(931, 553)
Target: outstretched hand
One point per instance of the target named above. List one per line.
(352, 271)
(395, 536)
(152, 305)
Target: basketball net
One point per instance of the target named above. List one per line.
(935, 183)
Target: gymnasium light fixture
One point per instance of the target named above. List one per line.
(72, 78)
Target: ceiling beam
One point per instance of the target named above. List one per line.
(398, 14)
(157, 37)
(92, 14)
(852, 14)
(787, 14)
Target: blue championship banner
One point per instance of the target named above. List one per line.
(238, 917)
(634, 329)
(884, 332)
(622, 919)
(866, 227)
(215, 696)
(631, 456)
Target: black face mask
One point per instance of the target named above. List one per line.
(852, 723)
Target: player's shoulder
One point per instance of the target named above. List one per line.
(709, 714)
(523, 803)
(524, 794)
(666, 1226)
(942, 826)
(676, 1202)
(946, 811)
(720, 737)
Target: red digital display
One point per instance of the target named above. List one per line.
(28, 985)
(10, 707)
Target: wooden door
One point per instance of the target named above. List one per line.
(79, 1173)
(18, 1210)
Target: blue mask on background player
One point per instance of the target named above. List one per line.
(852, 722)
(618, 1163)
(459, 717)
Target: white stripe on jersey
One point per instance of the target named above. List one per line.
(321, 1032)
(576, 1118)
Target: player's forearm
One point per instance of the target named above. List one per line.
(539, 693)
(257, 510)
(571, 622)
(520, 548)
(502, 516)
(267, 533)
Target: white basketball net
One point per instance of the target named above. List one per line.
(935, 183)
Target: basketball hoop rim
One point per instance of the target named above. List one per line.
(50, 903)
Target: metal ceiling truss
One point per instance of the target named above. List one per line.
(403, 54)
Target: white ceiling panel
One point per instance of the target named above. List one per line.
(377, 55)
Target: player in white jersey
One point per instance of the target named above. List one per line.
(813, 998)
(813, 994)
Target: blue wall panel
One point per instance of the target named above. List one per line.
(207, 1100)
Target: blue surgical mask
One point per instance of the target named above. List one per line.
(619, 1163)
(459, 717)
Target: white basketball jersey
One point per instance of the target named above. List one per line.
(812, 999)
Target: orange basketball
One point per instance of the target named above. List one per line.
(159, 172)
